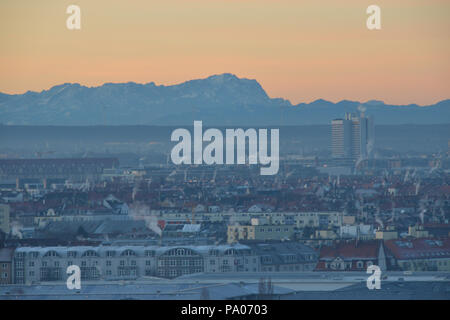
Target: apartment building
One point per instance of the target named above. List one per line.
(41, 264)
(4, 218)
(285, 257)
(425, 254)
(263, 232)
(6, 256)
(318, 219)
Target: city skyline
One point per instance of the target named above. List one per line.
(243, 152)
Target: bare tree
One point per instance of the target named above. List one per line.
(204, 295)
(261, 287)
(269, 286)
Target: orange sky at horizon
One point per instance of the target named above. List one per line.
(298, 50)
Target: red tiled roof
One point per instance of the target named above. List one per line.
(419, 248)
(351, 250)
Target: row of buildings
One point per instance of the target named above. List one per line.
(425, 254)
(29, 265)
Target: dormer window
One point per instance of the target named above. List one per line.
(51, 253)
(128, 253)
(90, 253)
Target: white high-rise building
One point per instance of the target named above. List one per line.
(352, 137)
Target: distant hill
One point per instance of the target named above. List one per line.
(217, 100)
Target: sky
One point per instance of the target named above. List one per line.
(298, 50)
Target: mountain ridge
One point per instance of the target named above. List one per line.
(223, 99)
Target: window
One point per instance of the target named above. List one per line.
(128, 253)
(51, 253)
(108, 263)
(133, 262)
(90, 253)
(30, 264)
(148, 263)
(149, 253)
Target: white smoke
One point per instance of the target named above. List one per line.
(422, 212)
(417, 187)
(370, 147)
(406, 178)
(174, 172)
(380, 222)
(135, 191)
(142, 212)
(289, 174)
(16, 228)
(422, 216)
(360, 159)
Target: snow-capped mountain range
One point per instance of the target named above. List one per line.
(217, 100)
